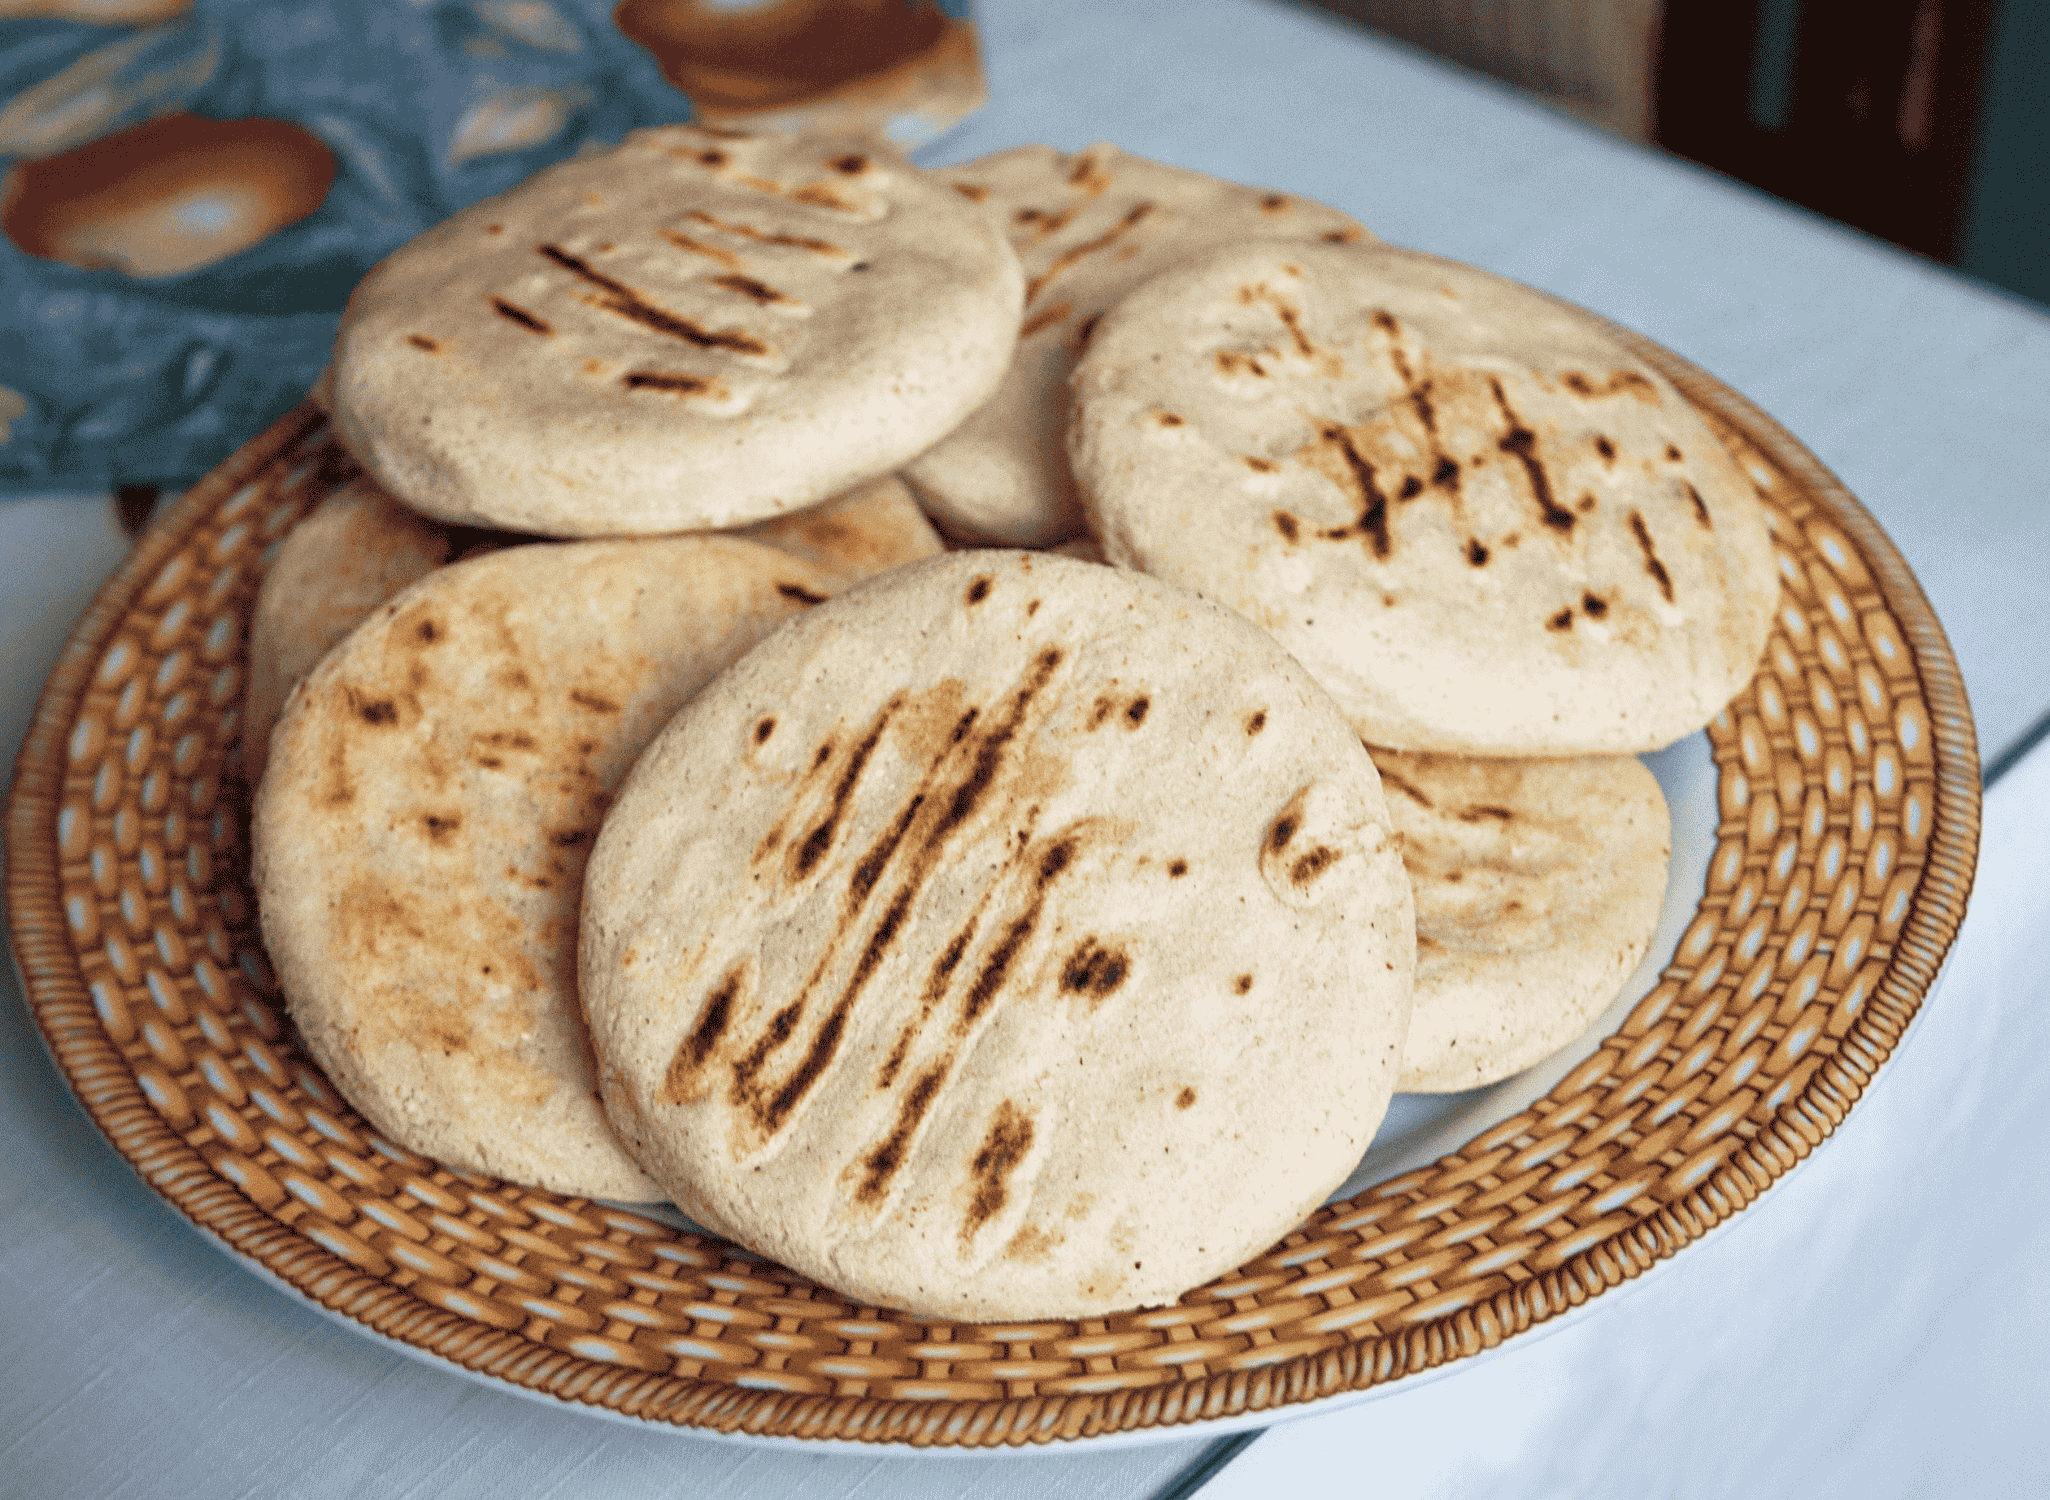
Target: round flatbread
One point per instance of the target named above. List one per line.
(696, 329)
(1538, 887)
(1088, 227)
(434, 789)
(1481, 522)
(1011, 937)
(355, 550)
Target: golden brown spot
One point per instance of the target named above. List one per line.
(1255, 722)
(1243, 984)
(974, 192)
(1287, 525)
(1281, 831)
(1230, 361)
(1605, 448)
(979, 589)
(1595, 605)
(439, 828)
(820, 195)
(798, 593)
(1177, 868)
(422, 341)
(595, 703)
(1563, 620)
(1135, 711)
(1259, 465)
(1313, 864)
(1094, 970)
(1169, 419)
(852, 164)
(378, 711)
(1031, 1243)
(1482, 814)
(1045, 318)
(763, 730)
(1273, 203)
(1476, 553)
(1184, 1099)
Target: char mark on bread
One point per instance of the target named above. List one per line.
(624, 301)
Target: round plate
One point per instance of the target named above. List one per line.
(1835, 829)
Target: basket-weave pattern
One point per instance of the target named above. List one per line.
(1849, 819)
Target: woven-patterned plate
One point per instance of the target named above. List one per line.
(1847, 781)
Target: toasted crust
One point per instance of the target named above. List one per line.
(1088, 227)
(953, 946)
(434, 789)
(1485, 526)
(693, 330)
(1538, 886)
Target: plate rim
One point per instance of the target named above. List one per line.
(1214, 1404)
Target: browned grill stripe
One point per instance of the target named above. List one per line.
(820, 839)
(1373, 519)
(520, 316)
(1009, 1138)
(750, 288)
(623, 300)
(690, 1057)
(1700, 508)
(827, 1041)
(1521, 443)
(1076, 253)
(771, 1110)
(678, 385)
(882, 1163)
(1652, 565)
(1046, 317)
(800, 593)
(764, 237)
(869, 869)
(683, 241)
(1389, 778)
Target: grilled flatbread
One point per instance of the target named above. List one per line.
(354, 551)
(954, 946)
(699, 328)
(1538, 886)
(1481, 522)
(1088, 227)
(434, 789)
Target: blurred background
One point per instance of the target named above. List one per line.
(188, 188)
(1923, 122)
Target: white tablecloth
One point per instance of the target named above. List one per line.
(1876, 1326)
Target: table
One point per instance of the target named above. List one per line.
(142, 1361)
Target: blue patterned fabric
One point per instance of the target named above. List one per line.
(119, 380)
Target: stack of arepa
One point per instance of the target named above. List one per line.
(657, 806)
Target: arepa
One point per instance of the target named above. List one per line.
(1483, 524)
(699, 328)
(1538, 887)
(1008, 937)
(434, 789)
(353, 551)
(1088, 227)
